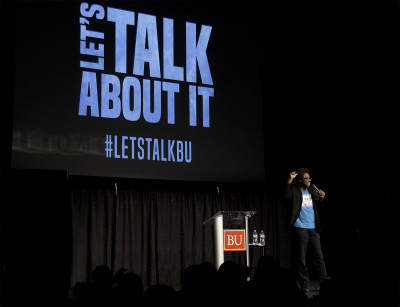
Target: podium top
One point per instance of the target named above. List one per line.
(230, 217)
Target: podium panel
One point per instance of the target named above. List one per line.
(230, 233)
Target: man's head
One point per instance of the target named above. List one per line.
(303, 175)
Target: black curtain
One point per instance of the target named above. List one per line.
(157, 231)
(92, 208)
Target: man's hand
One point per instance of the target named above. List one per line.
(292, 176)
(321, 193)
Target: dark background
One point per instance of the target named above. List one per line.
(330, 93)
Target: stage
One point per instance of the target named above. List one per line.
(125, 126)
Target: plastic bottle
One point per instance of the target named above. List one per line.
(262, 238)
(255, 237)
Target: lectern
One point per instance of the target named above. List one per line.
(230, 221)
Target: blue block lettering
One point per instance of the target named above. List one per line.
(124, 147)
(141, 150)
(179, 151)
(171, 88)
(170, 70)
(196, 53)
(206, 92)
(134, 114)
(122, 19)
(110, 95)
(88, 98)
(171, 156)
(116, 155)
(94, 9)
(151, 117)
(146, 27)
(192, 106)
(188, 151)
(156, 152)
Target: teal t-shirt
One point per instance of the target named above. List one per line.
(306, 218)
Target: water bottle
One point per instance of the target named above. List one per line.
(255, 237)
(262, 238)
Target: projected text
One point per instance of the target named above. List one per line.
(151, 149)
(129, 92)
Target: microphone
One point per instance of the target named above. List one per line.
(313, 185)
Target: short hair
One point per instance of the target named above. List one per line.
(301, 171)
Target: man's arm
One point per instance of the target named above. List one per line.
(319, 197)
(289, 192)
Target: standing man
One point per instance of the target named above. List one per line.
(304, 221)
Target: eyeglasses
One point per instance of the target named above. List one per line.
(306, 178)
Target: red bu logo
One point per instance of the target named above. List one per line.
(234, 239)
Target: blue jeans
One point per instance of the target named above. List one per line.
(303, 239)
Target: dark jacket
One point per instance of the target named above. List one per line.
(294, 194)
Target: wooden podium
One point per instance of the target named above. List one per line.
(234, 220)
